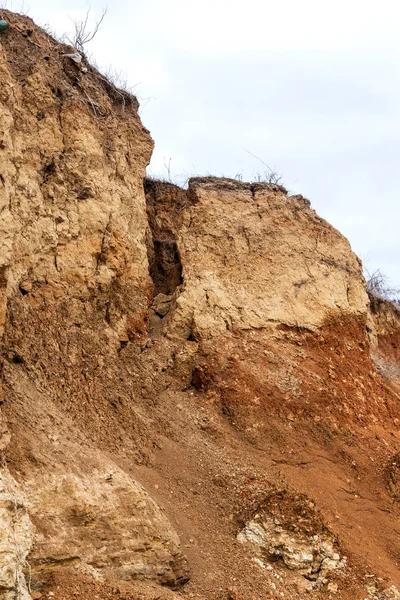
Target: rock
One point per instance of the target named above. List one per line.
(393, 477)
(69, 236)
(137, 541)
(253, 256)
(17, 534)
(161, 304)
(290, 531)
(384, 335)
(391, 593)
(312, 558)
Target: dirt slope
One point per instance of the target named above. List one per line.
(196, 398)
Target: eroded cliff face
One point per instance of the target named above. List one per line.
(190, 401)
(75, 286)
(74, 271)
(273, 300)
(253, 256)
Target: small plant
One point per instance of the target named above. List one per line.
(270, 176)
(167, 166)
(118, 79)
(83, 34)
(378, 287)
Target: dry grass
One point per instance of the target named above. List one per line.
(380, 290)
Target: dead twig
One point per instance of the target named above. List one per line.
(270, 176)
(82, 34)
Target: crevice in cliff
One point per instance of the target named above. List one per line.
(165, 266)
(105, 242)
(165, 202)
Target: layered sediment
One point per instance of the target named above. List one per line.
(198, 398)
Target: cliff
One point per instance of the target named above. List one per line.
(197, 397)
(75, 287)
(253, 256)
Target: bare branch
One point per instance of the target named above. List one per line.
(269, 176)
(91, 35)
(167, 166)
(378, 287)
(82, 34)
(261, 161)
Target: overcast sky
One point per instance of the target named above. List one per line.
(310, 87)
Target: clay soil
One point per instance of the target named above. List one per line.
(305, 414)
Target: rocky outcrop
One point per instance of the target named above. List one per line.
(290, 531)
(391, 593)
(266, 283)
(73, 216)
(252, 256)
(385, 329)
(313, 556)
(106, 525)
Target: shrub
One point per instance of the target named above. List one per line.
(379, 288)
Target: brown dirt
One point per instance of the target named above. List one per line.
(207, 467)
(43, 48)
(326, 377)
(68, 585)
(303, 411)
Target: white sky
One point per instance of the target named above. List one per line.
(311, 87)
